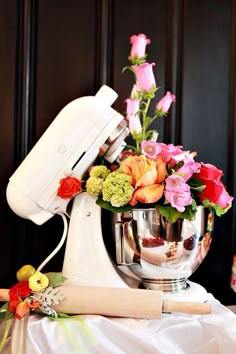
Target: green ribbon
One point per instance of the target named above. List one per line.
(6, 332)
(61, 319)
(62, 322)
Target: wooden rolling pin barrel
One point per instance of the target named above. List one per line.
(119, 302)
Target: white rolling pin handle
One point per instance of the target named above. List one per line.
(195, 308)
(4, 295)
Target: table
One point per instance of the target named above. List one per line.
(93, 334)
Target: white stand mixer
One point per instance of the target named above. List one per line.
(84, 129)
(86, 260)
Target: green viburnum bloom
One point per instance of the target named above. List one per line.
(99, 172)
(94, 186)
(117, 189)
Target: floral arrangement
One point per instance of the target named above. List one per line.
(34, 291)
(151, 173)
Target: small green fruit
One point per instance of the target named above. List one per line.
(25, 272)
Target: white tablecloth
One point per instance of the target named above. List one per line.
(174, 333)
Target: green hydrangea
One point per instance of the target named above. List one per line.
(94, 185)
(99, 172)
(117, 189)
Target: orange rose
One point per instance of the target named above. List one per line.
(24, 307)
(147, 195)
(69, 187)
(147, 176)
(161, 168)
(144, 172)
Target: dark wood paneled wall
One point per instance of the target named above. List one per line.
(52, 52)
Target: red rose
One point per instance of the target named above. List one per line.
(21, 289)
(69, 187)
(13, 303)
(214, 190)
(18, 292)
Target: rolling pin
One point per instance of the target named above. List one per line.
(119, 302)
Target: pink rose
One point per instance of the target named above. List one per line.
(139, 43)
(189, 168)
(169, 151)
(177, 192)
(131, 114)
(145, 78)
(178, 200)
(214, 190)
(165, 103)
(175, 183)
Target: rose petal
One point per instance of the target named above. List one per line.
(22, 309)
(150, 194)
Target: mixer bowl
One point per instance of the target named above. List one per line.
(163, 255)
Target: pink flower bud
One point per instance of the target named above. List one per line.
(165, 103)
(134, 92)
(138, 49)
(145, 79)
(131, 114)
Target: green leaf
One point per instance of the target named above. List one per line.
(149, 94)
(196, 184)
(5, 313)
(55, 279)
(137, 136)
(218, 210)
(4, 307)
(171, 214)
(160, 113)
(63, 315)
(108, 206)
(127, 68)
(137, 60)
(190, 211)
(178, 165)
(8, 315)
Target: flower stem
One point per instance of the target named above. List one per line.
(145, 122)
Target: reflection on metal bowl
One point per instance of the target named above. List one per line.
(162, 254)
